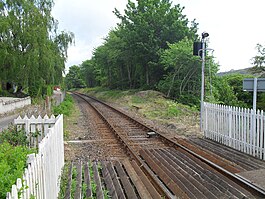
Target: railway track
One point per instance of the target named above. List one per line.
(162, 167)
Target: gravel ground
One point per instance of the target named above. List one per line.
(83, 140)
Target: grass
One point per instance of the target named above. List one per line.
(63, 181)
(70, 111)
(73, 186)
(149, 103)
(106, 94)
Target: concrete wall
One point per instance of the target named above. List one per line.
(10, 104)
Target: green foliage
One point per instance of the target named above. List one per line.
(88, 73)
(84, 188)
(173, 111)
(73, 185)
(65, 107)
(12, 165)
(32, 51)
(49, 90)
(73, 78)
(137, 99)
(182, 69)
(63, 181)
(129, 57)
(259, 60)
(228, 90)
(261, 101)
(14, 137)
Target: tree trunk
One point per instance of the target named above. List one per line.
(172, 83)
(147, 75)
(129, 75)
(173, 79)
(186, 78)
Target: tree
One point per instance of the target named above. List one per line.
(32, 53)
(228, 90)
(73, 79)
(182, 68)
(259, 59)
(88, 73)
(145, 28)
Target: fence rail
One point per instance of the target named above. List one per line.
(14, 103)
(239, 128)
(41, 177)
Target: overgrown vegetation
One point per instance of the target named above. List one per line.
(66, 107)
(63, 181)
(13, 157)
(69, 110)
(92, 186)
(92, 182)
(74, 182)
(14, 137)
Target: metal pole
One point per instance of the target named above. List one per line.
(255, 93)
(202, 83)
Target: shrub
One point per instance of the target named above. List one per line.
(14, 137)
(12, 165)
(65, 107)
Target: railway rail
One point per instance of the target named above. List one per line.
(163, 167)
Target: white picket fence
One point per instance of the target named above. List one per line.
(239, 128)
(10, 104)
(41, 177)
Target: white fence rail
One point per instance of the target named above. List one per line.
(41, 177)
(35, 128)
(12, 104)
(239, 128)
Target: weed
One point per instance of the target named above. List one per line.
(32, 197)
(35, 134)
(93, 183)
(63, 182)
(106, 194)
(173, 111)
(65, 107)
(14, 137)
(137, 99)
(84, 188)
(73, 186)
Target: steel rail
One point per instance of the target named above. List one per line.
(151, 176)
(234, 177)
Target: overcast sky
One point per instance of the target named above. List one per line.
(235, 26)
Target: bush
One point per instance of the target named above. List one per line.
(65, 107)
(14, 137)
(12, 165)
